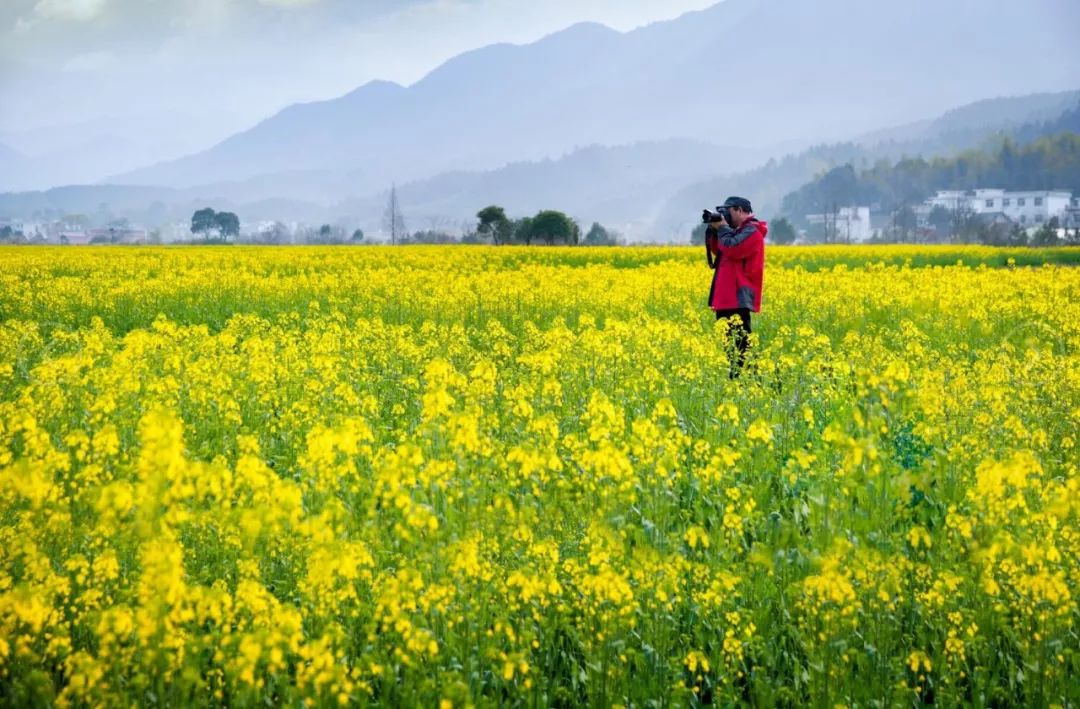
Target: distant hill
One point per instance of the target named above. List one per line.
(1023, 117)
(150, 206)
(1036, 156)
(87, 151)
(620, 186)
(1069, 121)
(967, 125)
(747, 72)
(11, 161)
(1047, 163)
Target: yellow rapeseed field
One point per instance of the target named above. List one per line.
(508, 476)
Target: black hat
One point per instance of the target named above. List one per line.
(740, 202)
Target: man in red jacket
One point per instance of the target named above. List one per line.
(737, 252)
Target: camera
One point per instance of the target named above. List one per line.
(707, 216)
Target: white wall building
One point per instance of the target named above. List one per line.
(1028, 209)
(1072, 215)
(848, 224)
(27, 228)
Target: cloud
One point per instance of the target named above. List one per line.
(70, 10)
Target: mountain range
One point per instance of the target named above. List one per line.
(58, 152)
(648, 191)
(746, 72)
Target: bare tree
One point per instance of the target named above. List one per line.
(831, 214)
(276, 233)
(677, 230)
(438, 222)
(393, 221)
(964, 221)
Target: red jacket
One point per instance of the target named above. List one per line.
(740, 265)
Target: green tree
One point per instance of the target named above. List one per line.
(552, 226)
(1017, 236)
(494, 224)
(228, 224)
(781, 231)
(906, 223)
(358, 236)
(965, 224)
(941, 219)
(203, 222)
(523, 230)
(1072, 236)
(1046, 235)
(599, 236)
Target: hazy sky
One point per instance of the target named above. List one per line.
(219, 65)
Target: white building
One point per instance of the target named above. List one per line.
(1030, 208)
(25, 227)
(1071, 219)
(848, 224)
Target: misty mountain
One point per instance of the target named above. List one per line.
(967, 125)
(148, 206)
(649, 190)
(88, 151)
(1067, 122)
(9, 158)
(747, 72)
(15, 168)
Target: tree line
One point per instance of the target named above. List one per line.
(493, 226)
(546, 226)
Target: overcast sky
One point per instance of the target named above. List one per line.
(63, 61)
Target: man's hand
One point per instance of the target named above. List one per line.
(719, 221)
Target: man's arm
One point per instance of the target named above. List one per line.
(734, 242)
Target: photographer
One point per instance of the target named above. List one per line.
(735, 249)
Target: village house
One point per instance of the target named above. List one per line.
(1027, 208)
(847, 224)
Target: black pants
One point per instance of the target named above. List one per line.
(740, 335)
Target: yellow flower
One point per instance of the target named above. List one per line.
(759, 432)
(695, 660)
(696, 536)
